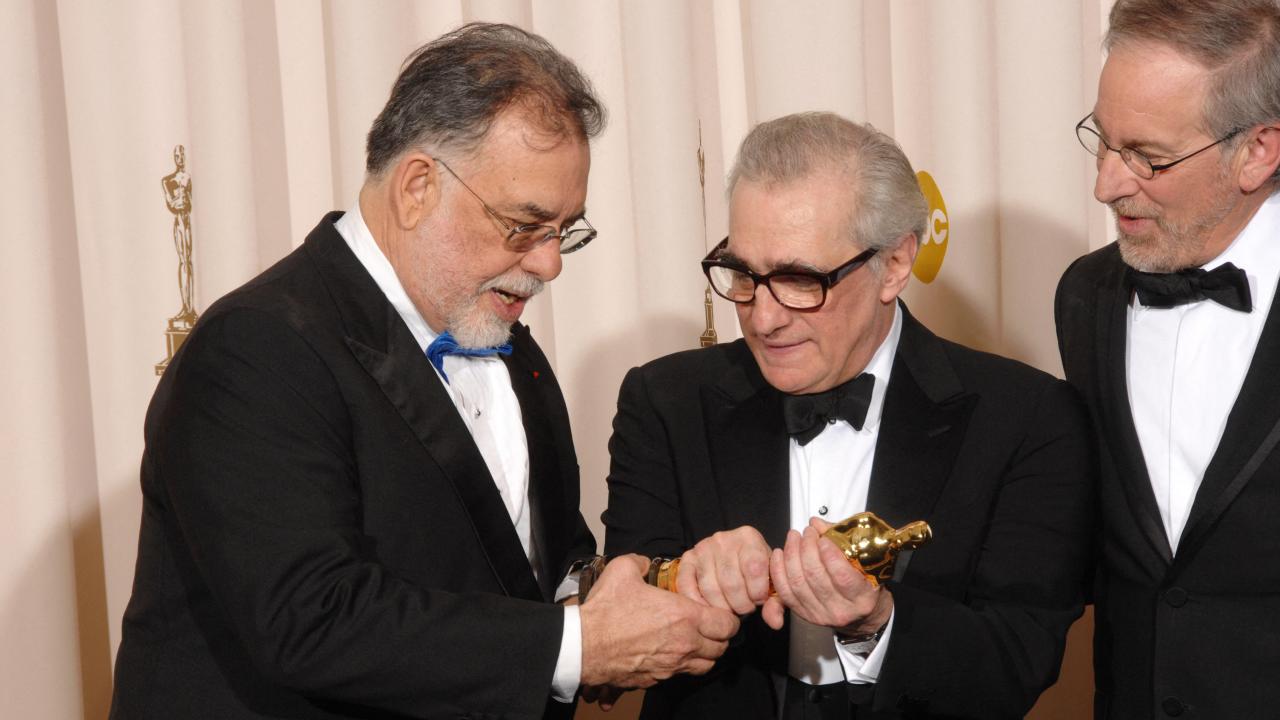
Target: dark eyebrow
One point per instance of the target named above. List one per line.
(789, 266)
(540, 215)
(535, 211)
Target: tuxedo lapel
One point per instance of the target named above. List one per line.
(546, 491)
(748, 444)
(1251, 434)
(926, 412)
(1117, 415)
(380, 341)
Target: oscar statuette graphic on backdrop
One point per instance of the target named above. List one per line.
(708, 337)
(177, 197)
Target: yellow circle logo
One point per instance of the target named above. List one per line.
(933, 246)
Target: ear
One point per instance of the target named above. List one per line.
(1261, 158)
(413, 189)
(896, 270)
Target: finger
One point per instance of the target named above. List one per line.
(847, 581)
(623, 564)
(773, 613)
(778, 574)
(820, 525)
(803, 600)
(687, 582)
(608, 697)
(732, 582)
(709, 650)
(756, 569)
(708, 582)
(717, 625)
(816, 576)
(699, 666)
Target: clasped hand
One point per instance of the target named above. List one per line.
(810, 576)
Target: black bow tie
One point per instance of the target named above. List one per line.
(1226, 285)
(807, 415)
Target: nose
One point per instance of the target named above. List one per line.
(543, 262)
(767, 315)
(1115, 179)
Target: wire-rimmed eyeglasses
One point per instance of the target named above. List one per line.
(1140, 164)
(526, 237)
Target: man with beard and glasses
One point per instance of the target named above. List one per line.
(360, 493)
(1172, 335)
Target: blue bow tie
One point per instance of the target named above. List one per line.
(444, 344)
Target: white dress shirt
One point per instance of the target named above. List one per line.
(1185, 366)
(830, 478)
(481, 391)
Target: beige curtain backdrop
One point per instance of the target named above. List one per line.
(272, 99)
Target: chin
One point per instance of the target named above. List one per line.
(480, 330)
(1148, 255)
(785, 380)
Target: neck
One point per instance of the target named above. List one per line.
(1230, 227)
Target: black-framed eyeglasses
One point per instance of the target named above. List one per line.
(526, 237)
(1140, 164)
(795, 289)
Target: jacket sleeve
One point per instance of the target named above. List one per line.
(643, 514)
(991, 649)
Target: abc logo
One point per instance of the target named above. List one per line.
(933, 246)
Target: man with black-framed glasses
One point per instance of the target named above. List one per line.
(733, 458)
(1171, 335)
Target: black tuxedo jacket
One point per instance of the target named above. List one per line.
(1196, 635)
(320, 535)
(995, 455)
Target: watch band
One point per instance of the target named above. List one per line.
(588, 570)
(860, 643)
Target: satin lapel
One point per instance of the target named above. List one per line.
(926, 412)
(749, 449)
(379, 339)
(1119, 429)
(1252, 430)
(546, 490)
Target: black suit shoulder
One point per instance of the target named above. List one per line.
(1089, 278)
(677, 373)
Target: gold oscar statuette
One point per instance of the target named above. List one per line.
(870, 544)
(177, 197)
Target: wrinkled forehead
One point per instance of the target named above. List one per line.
(1150, 91)
(797, 223)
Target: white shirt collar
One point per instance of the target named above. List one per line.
(353, 229)
(880, 366)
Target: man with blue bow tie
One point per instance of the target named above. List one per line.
(1171, 334)
(360, 489)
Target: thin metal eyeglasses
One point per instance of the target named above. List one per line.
(1140, 164)
(526, 237)
(794, 289)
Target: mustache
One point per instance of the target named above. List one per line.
(515, 283)
(1129, 208)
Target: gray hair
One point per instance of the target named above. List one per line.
(450, 91)
(1237, 41)
(886, 202)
